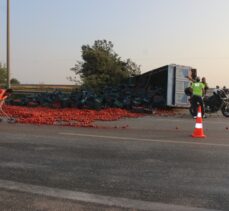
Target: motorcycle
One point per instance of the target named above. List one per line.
(218, 101)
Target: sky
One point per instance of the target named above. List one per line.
(47, 35)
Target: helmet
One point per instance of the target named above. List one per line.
(197, 79)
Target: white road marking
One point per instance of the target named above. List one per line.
(208, 120)
(143, 139)
(93, 198)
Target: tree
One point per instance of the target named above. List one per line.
(3, 76)
(14, 81)
(101, 66)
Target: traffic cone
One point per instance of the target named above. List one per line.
(198, 131)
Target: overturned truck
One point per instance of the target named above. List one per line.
(165, 86)
(162, 87)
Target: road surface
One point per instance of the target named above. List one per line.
(152, 163)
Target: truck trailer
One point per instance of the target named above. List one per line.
(166, 85)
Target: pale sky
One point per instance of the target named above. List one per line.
(47, 35)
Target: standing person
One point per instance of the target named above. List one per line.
(216, 90)
(197, 91)
(225, 90)
(4, 93)
(203, 80)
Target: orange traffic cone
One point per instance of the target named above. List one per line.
(199, 132)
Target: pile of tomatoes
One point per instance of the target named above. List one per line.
(67, 116)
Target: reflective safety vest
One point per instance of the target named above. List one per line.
(197, 89)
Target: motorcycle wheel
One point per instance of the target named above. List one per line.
(225, 110)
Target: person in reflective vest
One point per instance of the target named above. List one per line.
(4, 93)
(203, 80)
(197, 96)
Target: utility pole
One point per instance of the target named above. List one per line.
(8, 45)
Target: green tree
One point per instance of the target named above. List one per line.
(3, 76)
(14, 81)
(101, 66)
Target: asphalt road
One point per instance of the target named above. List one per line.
(151, 164)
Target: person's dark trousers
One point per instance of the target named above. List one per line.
(197, 100)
